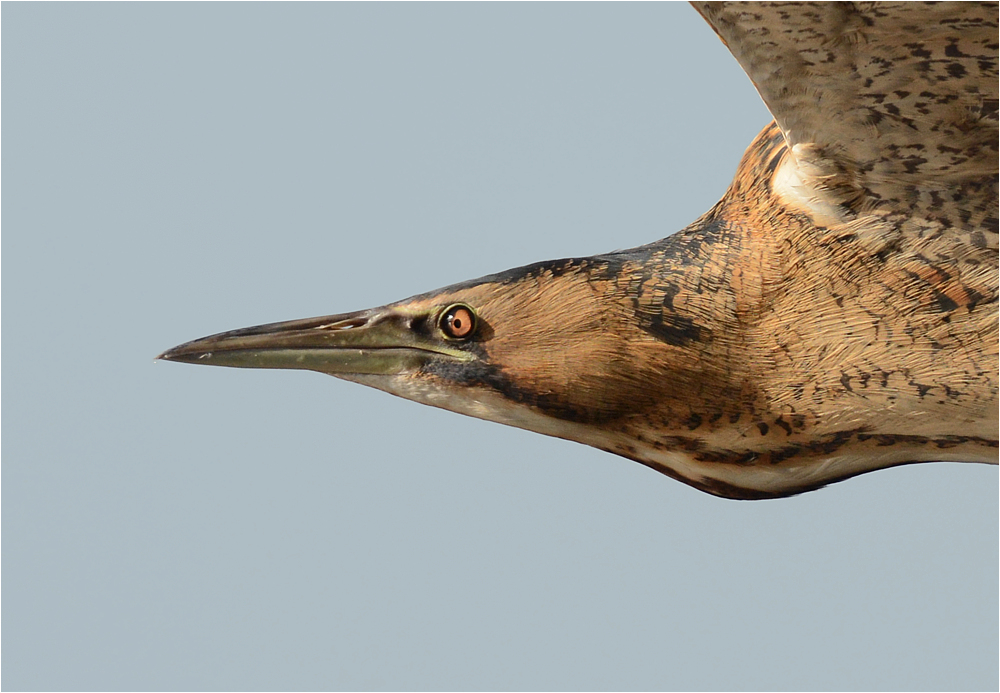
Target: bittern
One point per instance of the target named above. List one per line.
(835, 313)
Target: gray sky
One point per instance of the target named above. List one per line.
(170, 171)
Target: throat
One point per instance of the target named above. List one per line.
(715, 458)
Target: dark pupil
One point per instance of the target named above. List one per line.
(458, 323)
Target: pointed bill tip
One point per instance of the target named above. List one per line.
(176, 354)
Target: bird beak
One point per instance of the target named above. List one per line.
(382, 341)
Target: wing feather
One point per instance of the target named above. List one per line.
(885, 105)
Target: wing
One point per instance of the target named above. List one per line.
(886, 105)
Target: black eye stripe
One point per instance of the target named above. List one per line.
(458, 321)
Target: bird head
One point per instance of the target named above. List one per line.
(553, 347)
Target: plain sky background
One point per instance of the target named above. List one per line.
(171, 171)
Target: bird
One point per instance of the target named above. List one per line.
(835, 313)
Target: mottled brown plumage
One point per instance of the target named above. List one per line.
(834, 313)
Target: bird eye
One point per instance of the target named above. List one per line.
(458, 321)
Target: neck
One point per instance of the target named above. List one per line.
(794, 355)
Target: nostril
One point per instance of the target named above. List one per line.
(349, 324)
